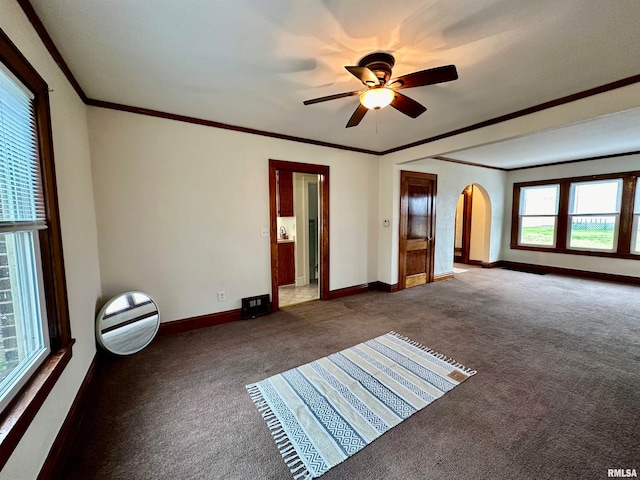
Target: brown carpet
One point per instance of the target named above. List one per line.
(557, 393)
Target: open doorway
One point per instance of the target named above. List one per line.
(463, 226)
(299, 206)
(298, 253)
(472, 233)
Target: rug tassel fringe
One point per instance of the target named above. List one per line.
(439, 356)
(283, 444)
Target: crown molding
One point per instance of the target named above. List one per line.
(471, 164)
(57, 56)
(31, 14)
(210, 123)
(526, 111)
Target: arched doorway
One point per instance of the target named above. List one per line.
(472, 226)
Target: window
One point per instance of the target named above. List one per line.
(35, 337)
(594, 212)
(23, 346)
(635, 236)
(538, 215)
(595, 215)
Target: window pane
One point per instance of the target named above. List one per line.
(593, 232)
(21, 333)
(539, 200)
(537, 231)
(20, 193)
(635, 234)
(595, 197)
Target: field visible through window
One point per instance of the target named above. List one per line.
(580, 237)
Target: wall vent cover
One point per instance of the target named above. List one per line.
(258, 306)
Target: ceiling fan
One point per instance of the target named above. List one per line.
(374, 71)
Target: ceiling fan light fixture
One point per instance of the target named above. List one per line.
(375, 98)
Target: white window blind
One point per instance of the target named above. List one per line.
(25, 344)
(21, 199)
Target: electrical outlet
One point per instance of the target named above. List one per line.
(222, 296)
(265, 231)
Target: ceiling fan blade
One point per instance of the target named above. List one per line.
(407, 105)
(357, 116)
(446, 73)
(331, 97)
(365, 75)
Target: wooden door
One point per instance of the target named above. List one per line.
(417, 228)
(286, 262)
(284, 193)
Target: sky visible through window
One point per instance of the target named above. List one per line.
(595, 197)
(539, 210)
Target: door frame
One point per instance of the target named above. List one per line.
(404, 207)
(323, 223)
(467, 205)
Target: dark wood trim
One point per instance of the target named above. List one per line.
(551, 164)
(609, 277)
(583, 178)
(496, 264)
(50, 238)
(225, 126)
(355, 290)
(19, 414)
(483, 264)
(57, 56)
(385, 287)
(55, 461)
(577, 160)
(273, 238)
(626, 215)
(470, 164)
(562, 220)
(364, 287)
(201, 321)
(323, 234)
(515, 214)
(625, 230)
(443, 276)
(520, 113)
(466, 222)
(51, 47)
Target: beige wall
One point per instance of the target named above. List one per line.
(452, 179)
(79, 238)
(180, 209)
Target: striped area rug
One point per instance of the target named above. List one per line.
(323, 412)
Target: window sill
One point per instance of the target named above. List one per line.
(19, 414)
(566, 251)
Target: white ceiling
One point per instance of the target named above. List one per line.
(251, 63)
(619, 133)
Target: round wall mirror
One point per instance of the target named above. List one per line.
(127, 323)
